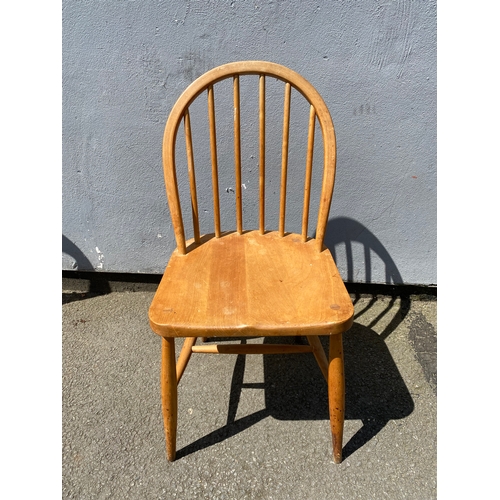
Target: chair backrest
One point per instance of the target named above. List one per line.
(180, 112)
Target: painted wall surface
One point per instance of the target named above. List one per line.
(374, 62)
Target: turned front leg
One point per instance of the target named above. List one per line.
(169, 394)
(336, 394)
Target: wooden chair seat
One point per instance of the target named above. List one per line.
(251, 284)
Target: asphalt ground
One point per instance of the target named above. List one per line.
(253, 427)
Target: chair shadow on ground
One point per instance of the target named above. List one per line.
(294, 386)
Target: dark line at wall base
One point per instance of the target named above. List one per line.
(420, 292)
(99, 283)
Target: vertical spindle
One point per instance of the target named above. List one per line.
(192, 176)
(309, 161)
(284, 158)
(262, 152)
(237, 153)
(213, 152)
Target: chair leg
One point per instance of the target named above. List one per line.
(169, 394)
(319, 354)
(336, 394)
(184, 356)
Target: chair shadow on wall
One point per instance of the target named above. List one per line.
(97, 285)
(293, 384)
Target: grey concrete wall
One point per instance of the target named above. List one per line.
(374, 62)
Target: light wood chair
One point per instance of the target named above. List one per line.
(250, 282)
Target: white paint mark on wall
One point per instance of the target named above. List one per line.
(100, 256)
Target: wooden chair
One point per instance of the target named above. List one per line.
(250, 282)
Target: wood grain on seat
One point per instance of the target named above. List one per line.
(251, 284)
